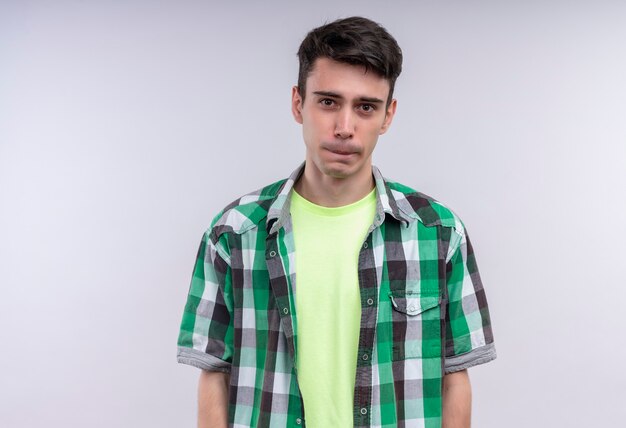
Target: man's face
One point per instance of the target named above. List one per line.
(342, 115)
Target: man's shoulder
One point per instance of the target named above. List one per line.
(429, 210)
(247, 211)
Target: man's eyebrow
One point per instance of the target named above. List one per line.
(331, 94)
(372, 100)
(328, 94)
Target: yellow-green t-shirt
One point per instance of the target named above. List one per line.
(328, 305)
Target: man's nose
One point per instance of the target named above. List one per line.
(345, 124)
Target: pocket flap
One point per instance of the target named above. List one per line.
(413, 304)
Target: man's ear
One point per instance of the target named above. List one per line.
(389, 113)
(296, 104)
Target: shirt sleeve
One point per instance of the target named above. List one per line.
(206, 332)
(468, 337)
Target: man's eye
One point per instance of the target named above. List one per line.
(368, 108)
(327, 102)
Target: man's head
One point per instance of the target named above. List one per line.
(354, 41)
(344, 96)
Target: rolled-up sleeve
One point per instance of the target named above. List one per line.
(469, 336)
(206, 332)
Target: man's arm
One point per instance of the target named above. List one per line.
(457, 400)
(213, 399)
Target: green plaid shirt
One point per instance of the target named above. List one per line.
(424, 311)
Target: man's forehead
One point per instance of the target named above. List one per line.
(345, 80)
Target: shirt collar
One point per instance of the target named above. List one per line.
(388, 201)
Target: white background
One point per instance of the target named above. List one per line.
(126, 125)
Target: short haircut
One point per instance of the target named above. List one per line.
(355, 41)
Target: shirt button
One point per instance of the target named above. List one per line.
(411, 308)
(299, 421)
(285, 311)
(272, 253)
(365, 245)
(363, 411)
(365, 357)
(370, 301)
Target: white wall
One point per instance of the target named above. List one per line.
(125, 126)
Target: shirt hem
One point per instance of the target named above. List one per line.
(477, 356)
(201, 360)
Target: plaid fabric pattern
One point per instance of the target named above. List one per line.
(424, 311)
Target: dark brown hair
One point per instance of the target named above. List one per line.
(356, 41)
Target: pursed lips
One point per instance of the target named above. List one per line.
(342, 150)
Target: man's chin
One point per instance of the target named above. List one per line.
(338, 171)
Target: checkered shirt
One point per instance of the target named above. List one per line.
(423, 309)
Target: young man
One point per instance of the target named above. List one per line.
(336, 298)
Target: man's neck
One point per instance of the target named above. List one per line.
(332, 192)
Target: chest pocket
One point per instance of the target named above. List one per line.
(416, 325)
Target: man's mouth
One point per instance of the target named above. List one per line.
(344, 151)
